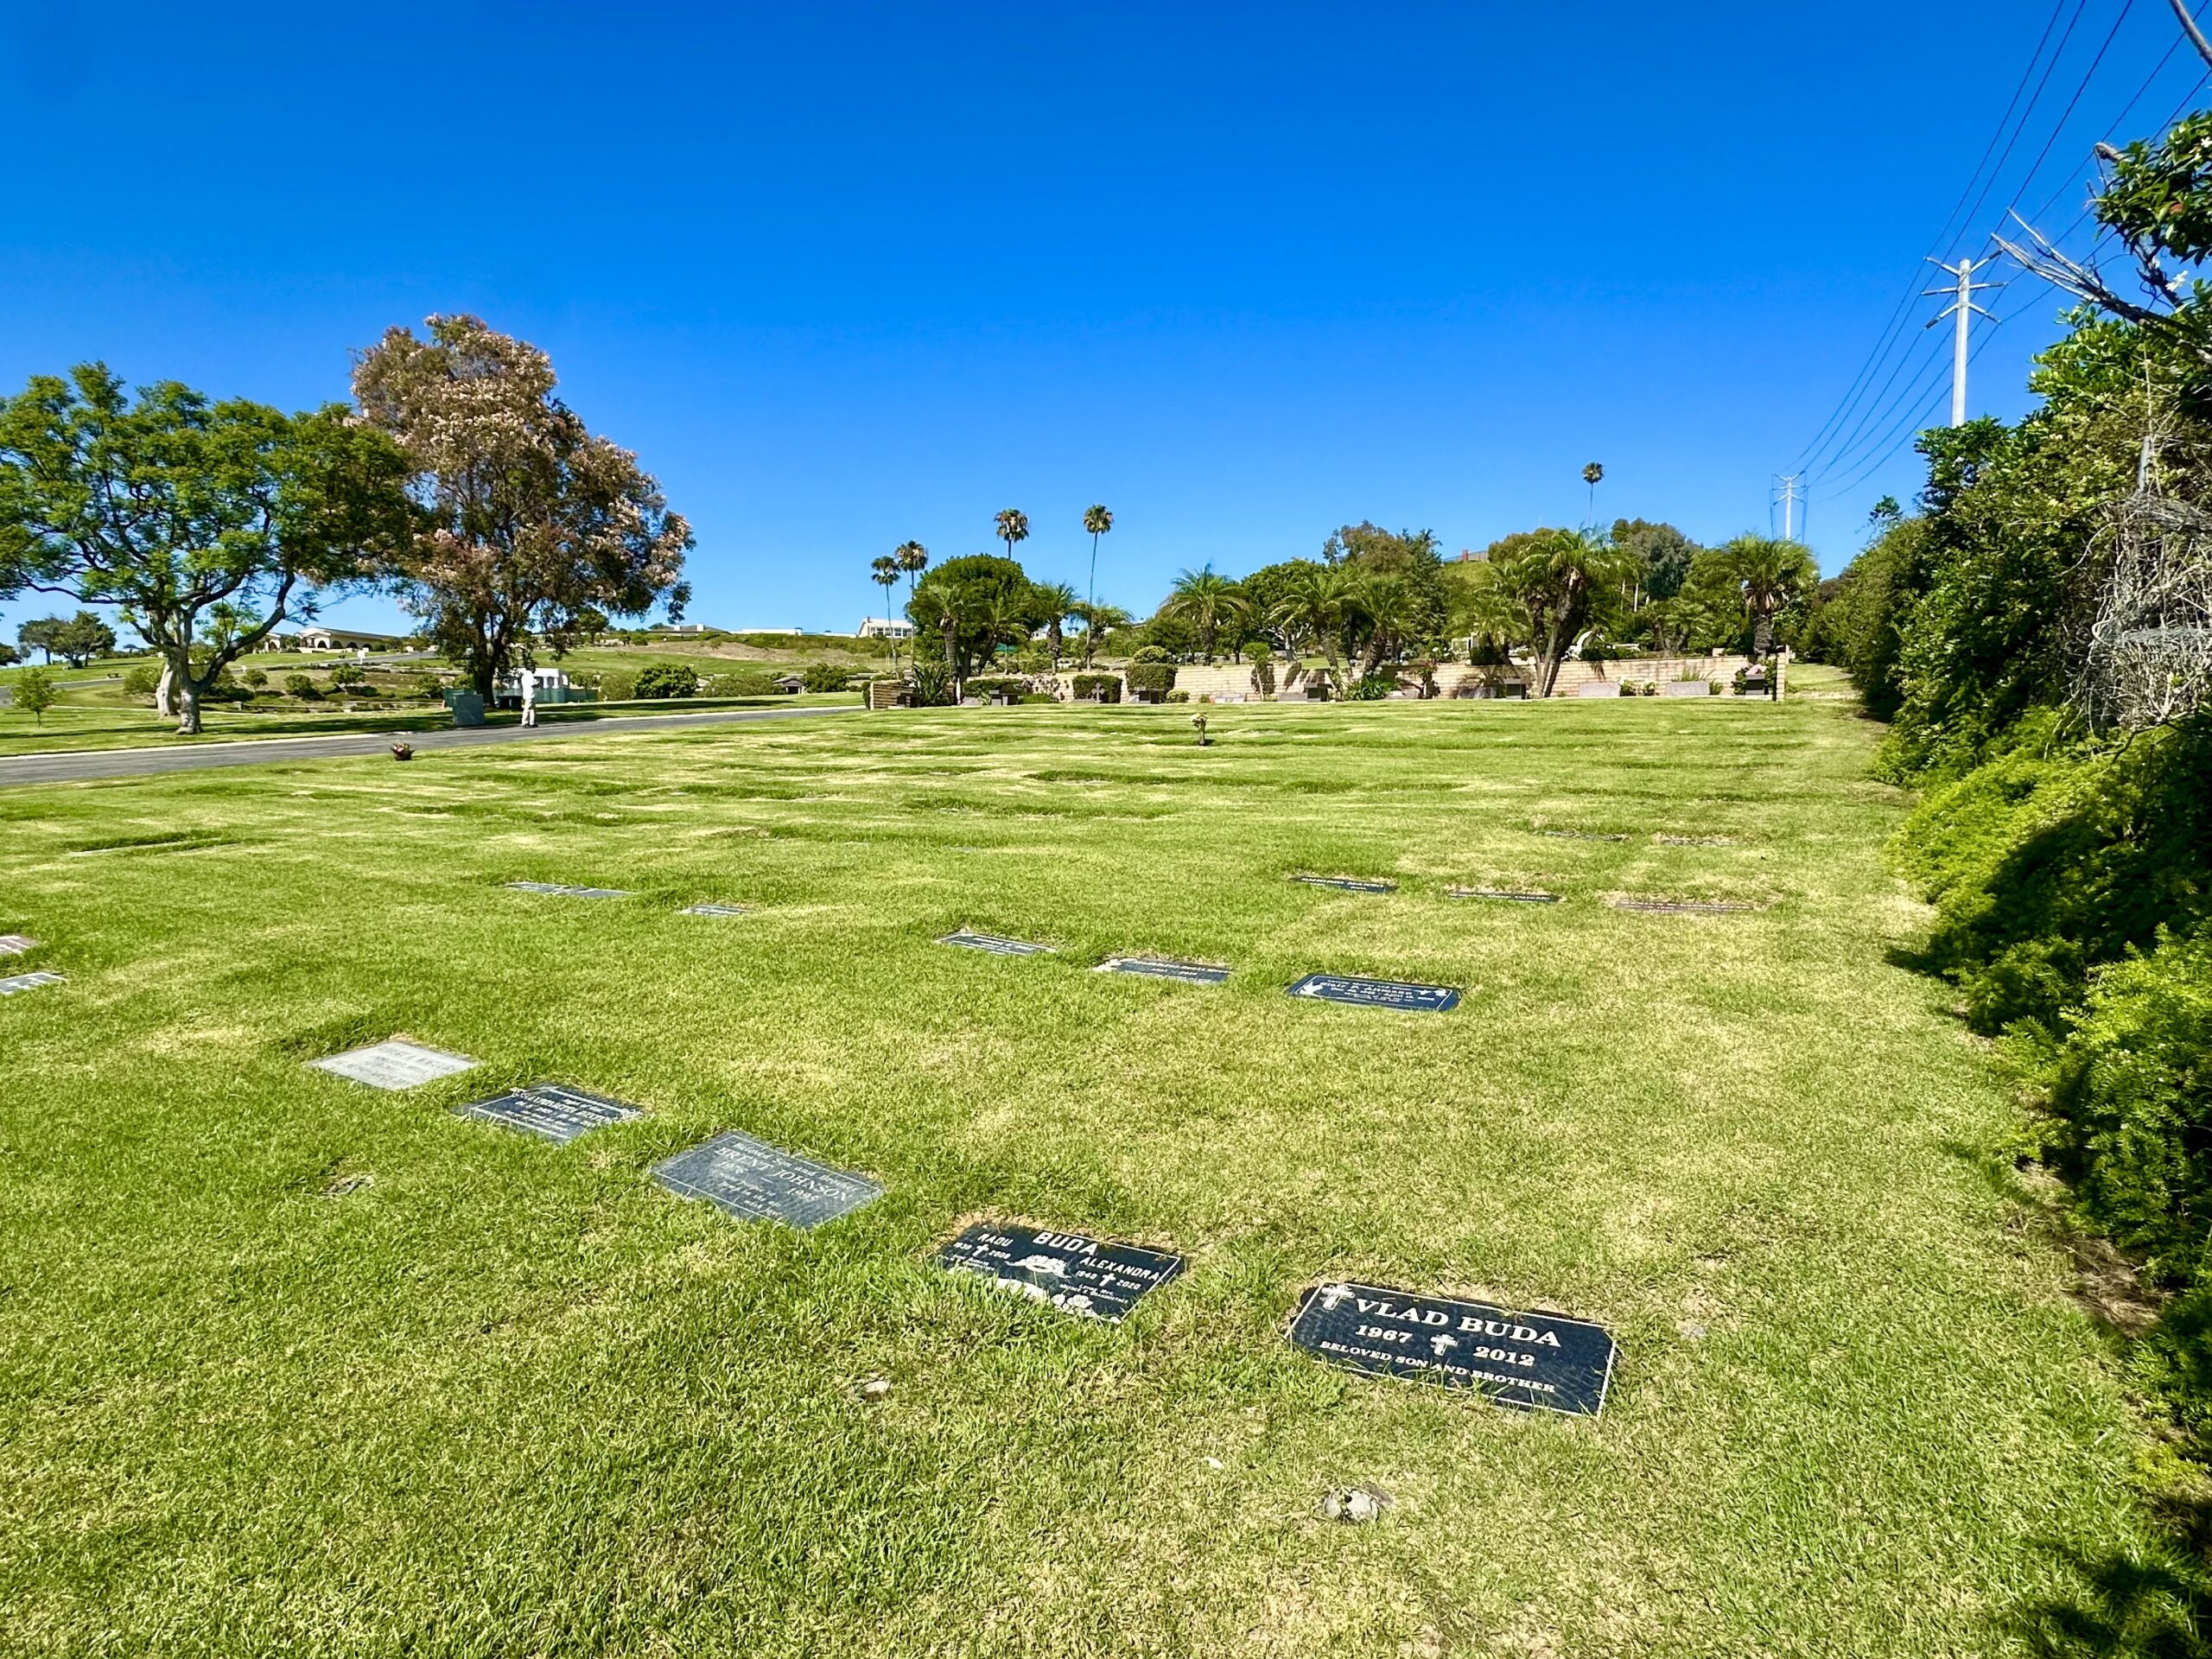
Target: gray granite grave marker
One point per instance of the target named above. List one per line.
(714, 910)
(754, 1181)
(1189, 973)
(1535, 1362)
(30, 981)
(1502, 894)
(1089, 1276)
(551, 1109)
(554, 889)
(13, 945)
(997, 945)
(1402, 994)
(1347, 883)
(1683, 906)
(1579, 834)
(394, 1064)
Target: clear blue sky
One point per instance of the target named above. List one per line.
(845, 275)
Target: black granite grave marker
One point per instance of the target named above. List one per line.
(754, 1181)
(1089, 1276)
(552, 1109)
(1378, 992)
(556, 890)
(1347, 883)
(1503, 895)
(995, 944)
(1536, 1362)
(1190, 973)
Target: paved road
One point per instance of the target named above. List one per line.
(145, 763)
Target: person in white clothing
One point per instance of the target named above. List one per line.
(529, 698)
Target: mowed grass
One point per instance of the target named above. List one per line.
(295, 1365)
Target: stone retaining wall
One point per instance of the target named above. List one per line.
(1222, 681)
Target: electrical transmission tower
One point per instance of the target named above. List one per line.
(1962, 308)
(1791, 487)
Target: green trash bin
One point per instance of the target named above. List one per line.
(468, 708)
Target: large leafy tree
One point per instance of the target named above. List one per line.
(531, 521)
(204, 524)
(1663, 556)
(971, 606)
(1097, 620)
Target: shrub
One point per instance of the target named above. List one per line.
(666, 680)
(1149, 673)
(932, 683)
(826, 676)
(1150, 654)
(144, 681)
(254, 677)
(1179, 696)
(300, 686)
(2045, 865)
(988, 686)
(2136, 1113)
(1107, 688)
(1371, 688)
(35, 692)
(738, 683)
(348, 674)
(424, 685)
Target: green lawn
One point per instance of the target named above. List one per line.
(110, 724)
(294, 1365)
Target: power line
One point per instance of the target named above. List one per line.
(1880, 349)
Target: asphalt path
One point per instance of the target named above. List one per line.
(83, 765)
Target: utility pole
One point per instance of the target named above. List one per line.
(1961, 307)
(1792, 486)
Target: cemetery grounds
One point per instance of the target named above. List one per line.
(295, 1365)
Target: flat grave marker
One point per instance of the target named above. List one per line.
(715, 910)
(1404, 995)
(1347, 883)
(995, 943)
(1505, 895)
(394, 1064)
(1579, 834)
(554, 1110)
(1078, 1274)
(13, 945)
(1533, 1362)
(754, 1181)
(1696, 841)
(1188, 972)
(556, 890)
(30, 982)
(1683, 906)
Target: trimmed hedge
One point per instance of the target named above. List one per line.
(1151, 676)
(1107, 688)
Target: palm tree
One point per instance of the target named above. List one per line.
(1555, 581)
(948, 613)
(912, 559)
(1486, 615)
(1206, 599)
(1097, 520)
(1057, 600)
(1769, 574)
(1097, 620)
(883, 572)
(1012, 526)
(1591, 475)
(1392, 614)
(1316, 603)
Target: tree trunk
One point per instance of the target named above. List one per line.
(188, 707)
(164, 698)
